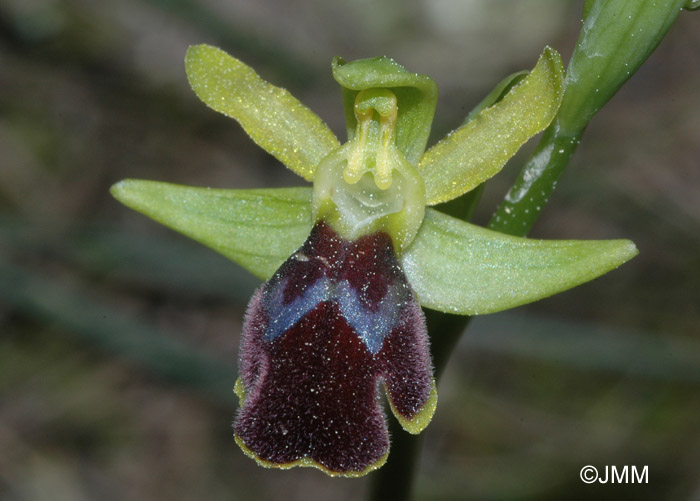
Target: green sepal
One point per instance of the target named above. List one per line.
(258, 229)
(272, 117)
(416, 94)
(478, 150)
(452, 266)
(460, 268)
(692, 5)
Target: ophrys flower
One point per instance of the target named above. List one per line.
(349, 262)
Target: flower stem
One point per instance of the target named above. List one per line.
(395, 479)
(527, 197)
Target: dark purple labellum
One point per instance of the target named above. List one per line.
(336, 318)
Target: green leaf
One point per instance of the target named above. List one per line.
(271, 116)
(416, 95)
(617, 36)
(460, 268)
(480, 149)
(257, 229)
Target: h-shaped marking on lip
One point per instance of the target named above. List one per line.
(371, 327)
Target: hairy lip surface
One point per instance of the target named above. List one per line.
(334, 321)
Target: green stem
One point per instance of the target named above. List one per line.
(395, 479)
(527, 197)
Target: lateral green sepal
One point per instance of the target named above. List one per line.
(460, 268)
(258, 229)
(452, 266)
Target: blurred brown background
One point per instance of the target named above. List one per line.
(119, 338)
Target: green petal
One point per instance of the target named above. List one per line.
(271, 116)
(457, 267)
(479, 149)
(497, 94)
(257, 229)
(416, 95)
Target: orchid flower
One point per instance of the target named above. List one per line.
(349, 262)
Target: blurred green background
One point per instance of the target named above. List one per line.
(119, 338)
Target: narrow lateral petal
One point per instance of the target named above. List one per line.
(337, 318)
(271, 116)
(478, 150)
(258, 229)
(457, 267)
(499, 92)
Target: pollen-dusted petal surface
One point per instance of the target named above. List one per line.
(271, 116)
(479, 149)
(336, 320)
